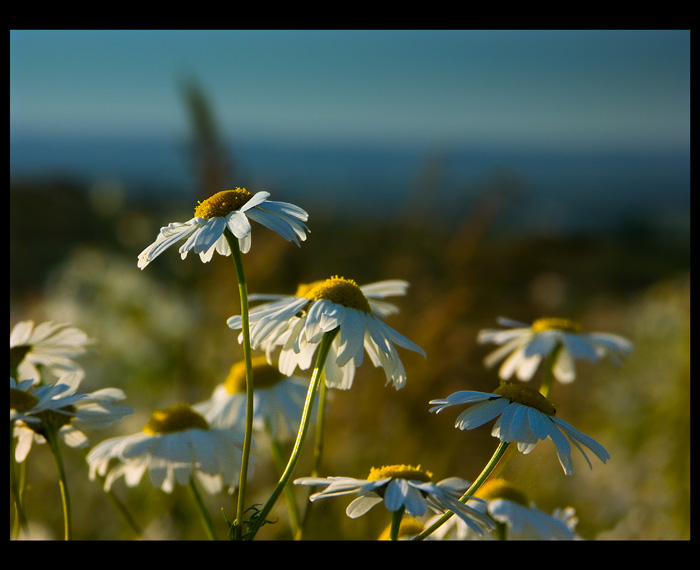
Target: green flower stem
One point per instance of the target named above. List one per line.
(485, 474)
(546, 387)
(288, 490)
(206, 519)
(51, 436)
(318, 451)
(396, 524)
(21, 518)
(123, 511)
(320, 425)
(245, 330)
(316, 376)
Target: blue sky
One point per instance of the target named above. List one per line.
(521, 87)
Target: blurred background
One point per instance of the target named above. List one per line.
(502, 173)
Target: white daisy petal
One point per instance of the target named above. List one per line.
(238, 224)
(480, 414)
(361, 505)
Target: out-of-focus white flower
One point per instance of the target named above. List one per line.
(176, 444)
(518, 518)
(46, 347)
(35, 409)
(524, 346)
(278, 401)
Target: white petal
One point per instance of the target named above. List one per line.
(362, 504)
(395, 494)
(238, 223)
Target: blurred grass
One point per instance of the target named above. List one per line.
(161, 336)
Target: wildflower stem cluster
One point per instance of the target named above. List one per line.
(328, 327)
(316, 376)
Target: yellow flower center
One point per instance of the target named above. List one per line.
(399, 472)
(556, 323)
(264, 375)
(21, 400)
(222, 203)
(501, 489)
(179, 417)
(337, 290)
(526, 396)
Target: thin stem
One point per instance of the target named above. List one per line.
(396, 524)
(490, 466)
(320, 425)
(124, 512)
(316, 376)
(288, 490)
(245, 330)
(206, 519)
(318, 452)
(546, 387)
(51, 436)
(21, 519)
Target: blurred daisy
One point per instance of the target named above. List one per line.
(296, 324)
(35, 409)
(175, 445)
(48, 347)
(524, 416)
(278, 401)
(228, 210)
(517, 518)
(401, 487)
(524, 346)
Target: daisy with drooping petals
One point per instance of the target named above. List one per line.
(48, 346)
(516, 517)
(401, 487)
(278, 401)
(296, 324)
(228, 210)
(176, 445)
(524, 416)
(524, 346)
(376, 293)
(36, 409)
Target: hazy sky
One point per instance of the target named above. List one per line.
(549, 87)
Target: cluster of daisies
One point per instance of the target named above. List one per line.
(204, 442)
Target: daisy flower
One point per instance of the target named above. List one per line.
(296, 324)
(278, 401)
(229, 210)
(48, 346)
(519, 518)
(401, 487)
(524, 346)
(524, 416)
(176, 444)
(34, 409)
